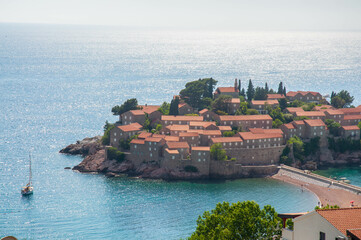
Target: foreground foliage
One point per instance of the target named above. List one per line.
(241, 220)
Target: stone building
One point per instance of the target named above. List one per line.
(352, 132)
(208, 115)
(315, 128)
(304, 96)
(335, 115)
(192, 138)
(123, 132)
(260, 105)
(231, 91)
(138, 116)
(203, 125)
(185, 108)
(349, 120)
(351, 111)
(233, 105)
(182, 147)
(311, 115)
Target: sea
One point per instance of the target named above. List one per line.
(58, 84)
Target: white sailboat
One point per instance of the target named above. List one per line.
(28, 189)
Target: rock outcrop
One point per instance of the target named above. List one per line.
(87, 146)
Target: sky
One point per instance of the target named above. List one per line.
(303, 15)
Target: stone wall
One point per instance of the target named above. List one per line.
(230, 169)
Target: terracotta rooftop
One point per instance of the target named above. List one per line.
(352, 117)
(225, 128)
(178, 127)
(153, 139)
(235, 100)
(173, 151)
(310, 114)
(171, 138)
(244, 117)
(182, 105)
(176, 145)
(201, 124)
(149, 108)
(315, 122)
(211, 132)
(203, 111)
(354, 233)
(181, 118)
(137, 141)
(266, 131)
(227, 89)
(334, 112)
(294, 109)
(323, 107)
(289, 126)
(227, 139)
(137, 112)
(263, 102)
(298, 122)
(251, 136)
(275, 96)
(130, 127)
(350, 128)
(303, 93)
(351, 110)
(343, 218)
(144, 135)
(201, 148)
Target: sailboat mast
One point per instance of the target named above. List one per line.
(29, 169)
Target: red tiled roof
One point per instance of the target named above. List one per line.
(201, 148)
(350, 110)
(201, 124)
(227, 89)
(334, 112)
(244, 117)
(203, 111)
(211, 132)
(323, 107)
(171, 151)
(227, 139)
(130, 127)
(263, 102)
(137, 141)
(291, 94)
(266, 131)
(175, 145)
(352, 117)
(181, 118)
(355, 232)
(315, 122)
(299, 122)
(251, 136)
(343, 218)
(225, 128)
(350, 128)
(149, 108)
(178, 127)
(144, 135)
(303, 93)
(137, 112)
(275, 96)
(171, 139)
(235, 100)
(182, 105)
(294, 109)
(310, 114)
(289, 126)
(153, 139)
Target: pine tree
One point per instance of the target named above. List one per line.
(173, 110)
(266, 88)
(243, 92)
(284, 91)
(280, 88)
(239, 86)
(250, 91)
(210, 88)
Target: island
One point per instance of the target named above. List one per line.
(226, 133)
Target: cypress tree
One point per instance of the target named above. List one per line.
(243, 92)
(284, 91)
(280, 88)
(250, 91)
(266, 88)
(173, 110)
(239, 86)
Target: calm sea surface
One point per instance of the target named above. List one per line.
(58, 84)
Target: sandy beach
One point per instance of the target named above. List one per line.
(326, 195)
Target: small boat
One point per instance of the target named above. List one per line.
(28, 189)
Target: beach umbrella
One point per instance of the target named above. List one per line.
(352, 201)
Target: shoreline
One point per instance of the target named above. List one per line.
(325, 195)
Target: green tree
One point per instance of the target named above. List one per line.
(130, 104)
(241, 220)
(221, 103)
(173, 108)
(164, 109)
(147, 124)
(252, 112)
(218, 153)
(327, 207)
(266, 88)
(280, 88)
(195, 92)
(333, 127)
(276, 123)
(228, 134)
(250, 91)
(114, 154)
(342, 99)
(359, 125)
(125, 144)
(284, 91)
(298, 150)
(242, 109)
(243, 92)
(260, 94)
(283, 103)
(106, 137)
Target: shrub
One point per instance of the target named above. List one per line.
(228, 134)
(190, 168)
(252, 112)
(114, 154)
(289, 224)
(106, 137)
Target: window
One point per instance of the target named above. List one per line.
(322, 236)
(135, 146)
(207, 115)
(173, 157)
(199, 154)
(151, 154)
(150, 149)
(115, 134)
(115, 139)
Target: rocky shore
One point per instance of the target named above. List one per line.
(95, 162)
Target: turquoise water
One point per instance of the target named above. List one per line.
(351, 173)
(58, 84)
